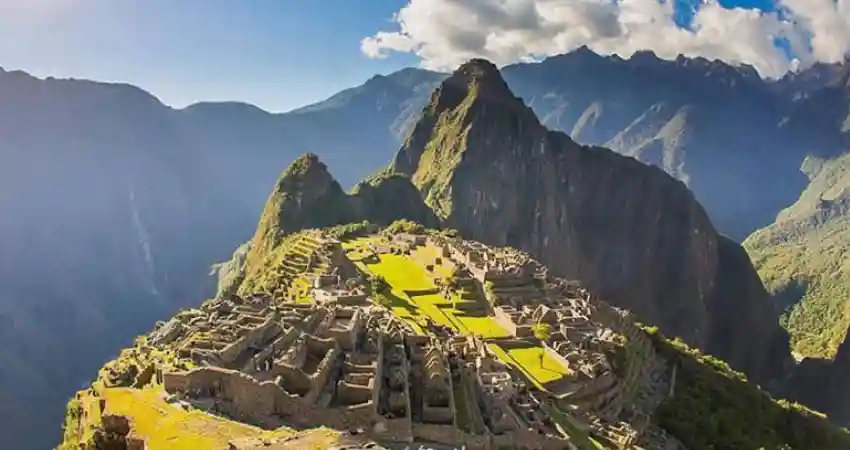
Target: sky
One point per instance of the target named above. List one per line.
(282, 54)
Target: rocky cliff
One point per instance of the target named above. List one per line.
(387, 197)
(632, 233)
(802, 259)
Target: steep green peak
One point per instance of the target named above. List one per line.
(305, 196)
(478, 80)
(305, 167)
(479, 68)
(471, 103)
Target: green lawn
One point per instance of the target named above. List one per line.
(483, 326)
(549, 370)
(527, 361)
(402, 273)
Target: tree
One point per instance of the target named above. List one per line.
(488, 292)
(378, 284)
(542, 331)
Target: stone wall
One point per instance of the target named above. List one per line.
(519, 439)
(279, 344)
(256, 402)
(437, 414)
(355, 394)
(440, 434)
(504, 320)
(397, 430)
(230, 353)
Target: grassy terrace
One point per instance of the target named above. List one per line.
(527, 360)
(167, 427)
(407, 276)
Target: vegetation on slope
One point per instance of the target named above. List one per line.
(714, 407)
(802, 260)
(306, 196)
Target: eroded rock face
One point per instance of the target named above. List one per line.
(628, 231)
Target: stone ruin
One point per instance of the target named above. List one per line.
(344, 362)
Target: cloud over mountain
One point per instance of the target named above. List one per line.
(445, 33)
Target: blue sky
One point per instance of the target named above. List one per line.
(278, 54)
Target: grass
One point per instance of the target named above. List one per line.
(715, 407)
(547, 371)
(402, 273)
(166, 426)
(527, 361)
(428, 254)
(485, 327)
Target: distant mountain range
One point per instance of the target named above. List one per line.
(113, 205)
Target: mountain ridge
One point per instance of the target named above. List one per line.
(492, 171)
(225, 164)
(596, 215)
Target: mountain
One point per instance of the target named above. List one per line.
(113, 206)
(628, 231)
(678, 115)
(98, 209)
(823, 384)
(802, 259)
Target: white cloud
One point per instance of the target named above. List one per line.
(827, 23)
(445, 33)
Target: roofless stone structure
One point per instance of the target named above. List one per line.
(414, 338)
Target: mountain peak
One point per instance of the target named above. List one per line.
(304, 166)
(472, 100)
(480, 77)
(475, 82)
(478, 68)
(305, 196)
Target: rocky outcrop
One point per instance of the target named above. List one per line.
(630, 232)
(308, 196)
(387, 197)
